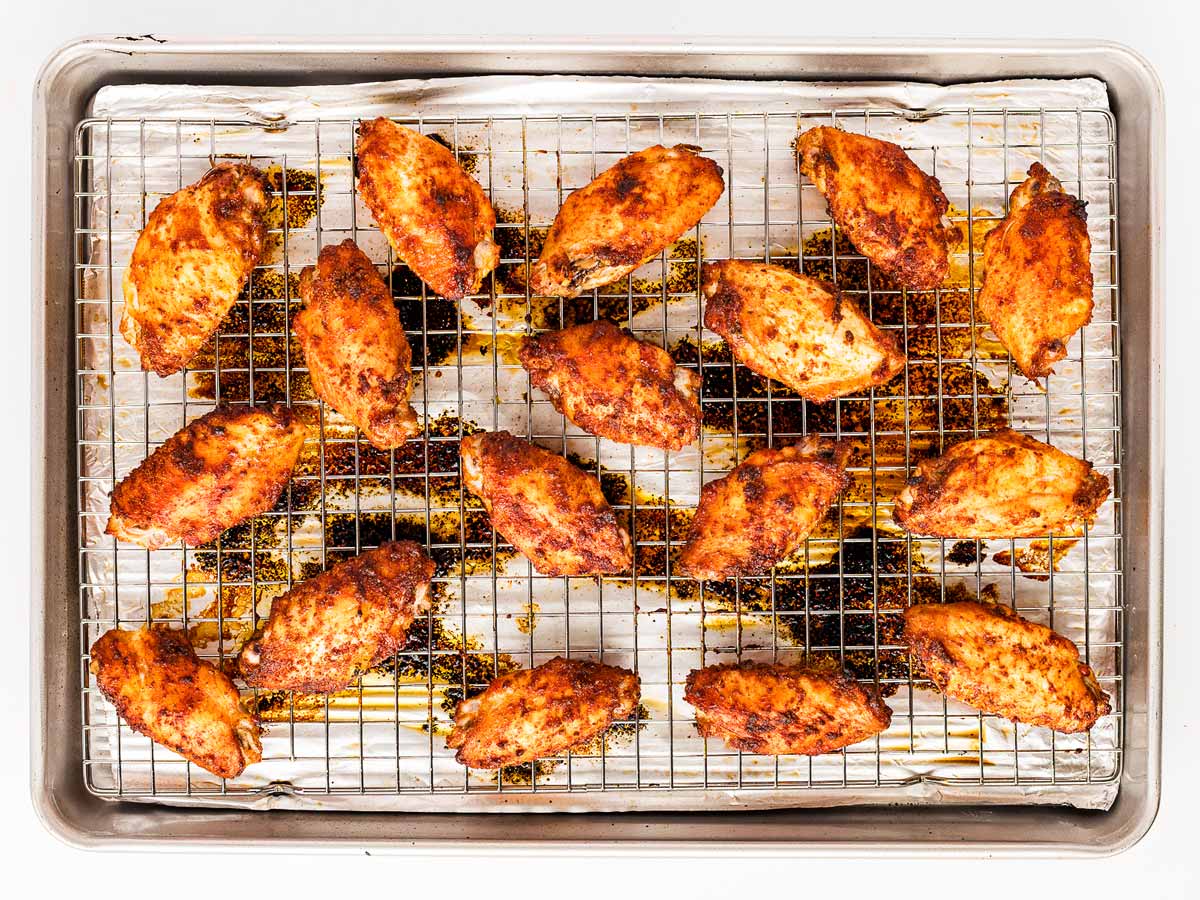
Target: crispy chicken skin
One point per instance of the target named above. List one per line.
(548, 509)
(1037, 287)
(535, 713)
(357, 355)
(190, 262)
(164, 691)
(325, 632)
(226, 466)
(986, 655)
(890, 209)
(614, 386)
(625, 217)
(796, 329)
(1001, 485)
(778, 708)
(436, 217)
(764, 509)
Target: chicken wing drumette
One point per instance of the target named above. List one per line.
(164, 691)
(325, 632)
(436, 217)
(627, 216)
(534, 713)
(190, 262)
(548, 509)
(1037, 288)
(614, 386)
(986, 655)
(796, 329)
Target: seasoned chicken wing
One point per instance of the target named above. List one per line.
(226, 466)
(986, 655)
(778, 708)
(436, 217)
(889, 208)
(535, 713)
(614, 386)
(796, 329)
(190, 262)
(323, 633)
(548, 509)
(625, 217)
(1001, 485)
(357, 355)
(164, 691)
(1037, 287)
(764, 509)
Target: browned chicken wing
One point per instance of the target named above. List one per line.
(614, 386)
(535, 713)
(357, 355)
(1001, 485)
(627, 216)
(324, 633)
(190, 262)
(986, 655)
(548, 509)
(164, 691)
(436, 217)
(796, 329)
(223, 468)
(777, 708)
(889, 208)
(1037, 288)
(764, 509)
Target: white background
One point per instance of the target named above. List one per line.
(1165, 864)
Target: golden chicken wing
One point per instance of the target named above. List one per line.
(226, 466)
(625, 217)
(1037, 287)
(164, 691)
(614, 386)
(354, 346)
(1002, 485)
(548, 509)
(764, 509)
(796, 329)
(889, 208)
(535, 713)
(778, 708)
(325, 632)
(986, 655)
(190, 262)
(436, 217)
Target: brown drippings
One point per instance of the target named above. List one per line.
(1036, 560)
(305, 194)
(965, 553)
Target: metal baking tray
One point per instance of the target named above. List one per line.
(72, 807)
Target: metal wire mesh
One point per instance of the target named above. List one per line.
(842, 595)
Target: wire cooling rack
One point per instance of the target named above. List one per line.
(842, 595)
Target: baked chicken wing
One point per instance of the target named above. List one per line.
(796, 329)
(889, 208)
(614, 386)
(164, 691)
(986, 655)
(625, 217)
(190, 262)
(535, 713)
(436, 217)
(354, 345)
(764, 509)
(226, 466)
(548, 509)
(778, 708)
(1002, 485)
(323, 633)
(1037, 287)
